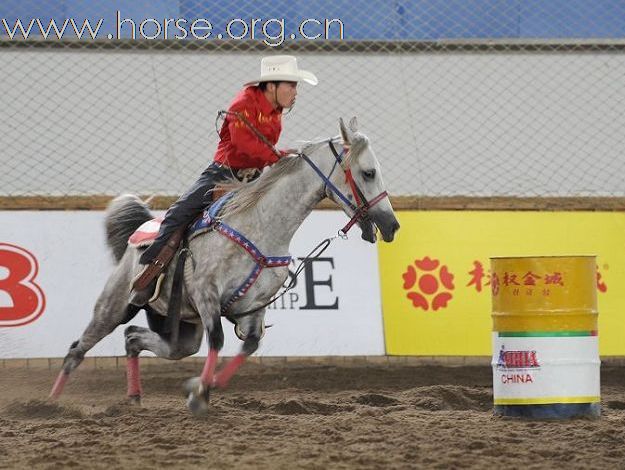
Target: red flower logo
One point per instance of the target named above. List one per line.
(433, 284)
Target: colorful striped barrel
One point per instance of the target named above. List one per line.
(545, 344)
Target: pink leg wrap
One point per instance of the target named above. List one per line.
(57, 388)
(209, 368)
(228, 371)
(133, 376)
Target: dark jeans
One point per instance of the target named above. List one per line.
(186, 208)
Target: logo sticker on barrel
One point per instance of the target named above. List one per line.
(528, 283)
(517, 365)
(517, 359)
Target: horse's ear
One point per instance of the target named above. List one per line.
(345, 134)
(353, 124)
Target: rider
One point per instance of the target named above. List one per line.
(241, 153)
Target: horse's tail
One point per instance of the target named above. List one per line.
(124, 215)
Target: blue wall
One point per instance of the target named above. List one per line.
(363, 19)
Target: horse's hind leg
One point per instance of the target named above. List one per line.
(144, 339)
(111, 310)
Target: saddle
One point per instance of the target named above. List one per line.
(160, 262)
(146, 233)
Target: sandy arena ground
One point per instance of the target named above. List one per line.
(292, 415)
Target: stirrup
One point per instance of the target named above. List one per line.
(161, 261)
(157, 289)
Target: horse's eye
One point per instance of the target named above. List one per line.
(368, 174)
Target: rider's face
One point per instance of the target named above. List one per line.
(285, 93)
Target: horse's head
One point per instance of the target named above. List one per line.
(361, 182)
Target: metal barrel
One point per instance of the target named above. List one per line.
(545, 337)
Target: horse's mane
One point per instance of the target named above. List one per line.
(246, 195)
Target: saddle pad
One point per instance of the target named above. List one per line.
(146, 233)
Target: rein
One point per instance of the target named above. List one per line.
(309, 258)
(251, 127)
(362, 206)
(361, 210)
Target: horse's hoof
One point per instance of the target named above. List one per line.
(197, 396)
(192, 385)
(134, 400)
(197, 404)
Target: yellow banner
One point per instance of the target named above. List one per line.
(435, 276)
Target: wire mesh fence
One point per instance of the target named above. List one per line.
(459, 98)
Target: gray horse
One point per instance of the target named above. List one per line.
(267, 211)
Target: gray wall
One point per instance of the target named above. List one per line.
(526, 124)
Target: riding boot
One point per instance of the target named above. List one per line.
(178, 217)
(160, 261)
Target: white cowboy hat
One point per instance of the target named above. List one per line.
(280, 68)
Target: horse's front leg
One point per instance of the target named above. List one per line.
(215, 344)
(251, 330)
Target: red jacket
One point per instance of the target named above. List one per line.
(239, 147)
